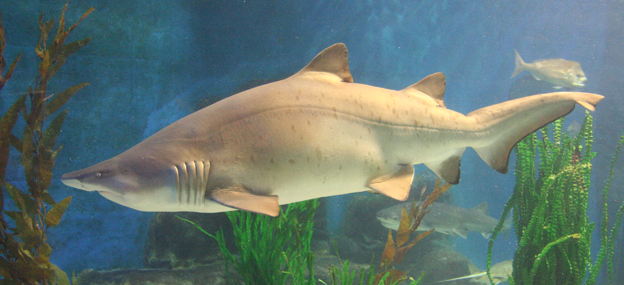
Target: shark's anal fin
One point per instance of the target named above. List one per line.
(448, 169)
(397, 186)
(240, 198)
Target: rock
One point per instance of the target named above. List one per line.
(213, 274)
(173, 243)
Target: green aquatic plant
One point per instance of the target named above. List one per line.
(607, 238)
(271, 250)
(24, 252)
(550, 209)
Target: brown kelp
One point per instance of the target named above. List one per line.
(24, 252)
(395, 249)
(550, 209)
(271, 250)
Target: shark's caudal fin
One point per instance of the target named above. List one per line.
(519, 65)
(509, 122)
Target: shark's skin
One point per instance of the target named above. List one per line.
(314, 134)
(446, 219)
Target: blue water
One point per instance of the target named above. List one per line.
(150, 62)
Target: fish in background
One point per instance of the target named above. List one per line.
(500, 272)
(560, 72)
(447, 219)
(573, 129)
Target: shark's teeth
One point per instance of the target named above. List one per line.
(192, 178)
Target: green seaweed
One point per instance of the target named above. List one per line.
(271, 250)
(24, 252)
(550, 209)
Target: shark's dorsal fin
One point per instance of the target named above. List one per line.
(433, 85)
(240, 198)
(333, 60)
(482, 208)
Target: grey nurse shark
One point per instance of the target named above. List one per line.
(314, 134)
(446, 218)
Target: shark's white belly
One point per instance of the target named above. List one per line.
(300, 154)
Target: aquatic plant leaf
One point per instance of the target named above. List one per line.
(46, 197)
(26, 203)
(64, 52)
(53, 218)
(403, 250)
(9, 73)
(7, 122)
(44, 28)
(403, 233)
(16, 196)
(60, 99)
(28, 157)
(61, 276)
(44, 251)
(5, 268)
(16, 143)
(4, 78)
(387, 257)
(437, 191)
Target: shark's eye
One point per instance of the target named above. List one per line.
(98, 175)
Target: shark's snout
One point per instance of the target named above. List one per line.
(73, 180)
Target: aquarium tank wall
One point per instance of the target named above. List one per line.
(128, 69)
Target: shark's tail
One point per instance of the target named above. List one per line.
(505, 124)
(519, 64)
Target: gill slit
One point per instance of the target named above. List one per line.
(192, 180)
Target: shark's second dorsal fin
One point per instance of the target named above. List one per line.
(433, 85)
(482, 208)
(333, 60)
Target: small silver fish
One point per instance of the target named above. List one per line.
(560, 72)
(573, 129)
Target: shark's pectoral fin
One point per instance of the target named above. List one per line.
(240, 198)
(485, 235)
(397, 186)
(448, 169)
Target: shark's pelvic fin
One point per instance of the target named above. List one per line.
(333, 60)
(433, 85)
(240, 198)
(511, 121)
(448, 169)
(397, 186)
